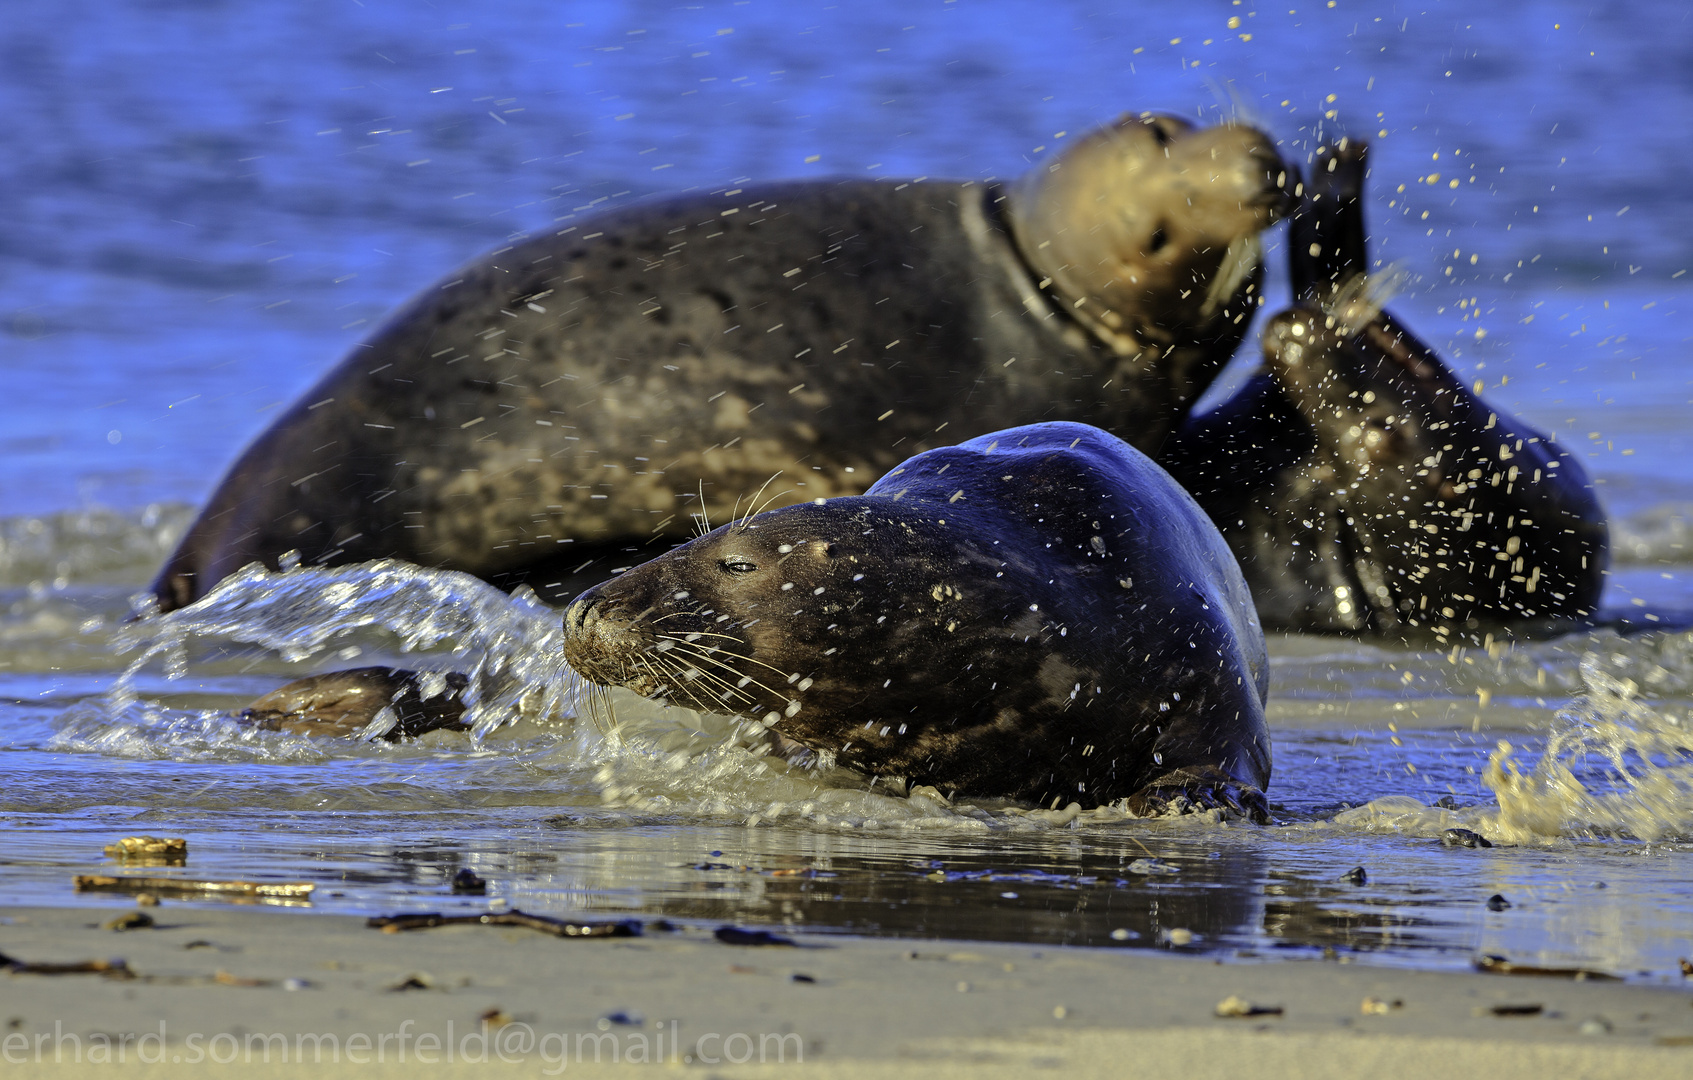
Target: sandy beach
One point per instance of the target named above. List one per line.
(272, 992)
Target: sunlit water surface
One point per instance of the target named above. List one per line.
(199, 227)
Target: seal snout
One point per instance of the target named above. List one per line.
(597, 642)
(576, 615)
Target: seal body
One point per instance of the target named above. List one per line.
(586, 393)
(1040, 614)
(1364, 486)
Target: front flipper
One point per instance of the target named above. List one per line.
(1195, 790)
(344, 703)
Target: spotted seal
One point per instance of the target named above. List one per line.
(572, 397)
(1039, 614)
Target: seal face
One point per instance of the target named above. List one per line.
(557, 403)
(1039, 614)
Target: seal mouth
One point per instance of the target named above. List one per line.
(695, 668)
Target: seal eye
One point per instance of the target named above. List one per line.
(737, 566)
(1160, 240)
(1159, 132)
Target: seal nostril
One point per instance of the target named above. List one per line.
(576, 615)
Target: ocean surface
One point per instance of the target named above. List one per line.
(207, 203)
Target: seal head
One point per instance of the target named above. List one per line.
(1200, 198)
(1039, 614)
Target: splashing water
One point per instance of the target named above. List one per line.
(1649, 752)
(510, 647)
(1613, 765)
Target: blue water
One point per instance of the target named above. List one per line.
(208, 203)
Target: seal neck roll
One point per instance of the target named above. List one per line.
(1027, 211)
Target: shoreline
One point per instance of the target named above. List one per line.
(227, 987)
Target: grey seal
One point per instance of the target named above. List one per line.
(1037, 614)
(1364, 486)
(565, 404)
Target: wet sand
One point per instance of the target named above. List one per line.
(225, 985)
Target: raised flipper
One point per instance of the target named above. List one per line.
(344, 703)
(1363, 486)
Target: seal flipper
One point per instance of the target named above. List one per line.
(1192, 790)
(344, 703)
(1326, 235)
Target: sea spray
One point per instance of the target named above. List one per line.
(510, 646)
(1613, 764)
(1617, 760)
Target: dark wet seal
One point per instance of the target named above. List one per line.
(394, 924)
(554, 404)
(802, 977)
(1364, 486)
(1038, 614)
(1355, 876)
(1464, 838)
(1499, 965)
(468, 882)
(1496, 902)
(344, 703)
(734, 935)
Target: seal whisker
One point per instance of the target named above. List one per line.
(1236, 109)
(700, 633)
(731, 668)
(727, 692)
(680, 687)
(672, 615)
(752, 502)
(767, 502)
(760, 663)
(707, 658)
(1358, 300)
(600, 697)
